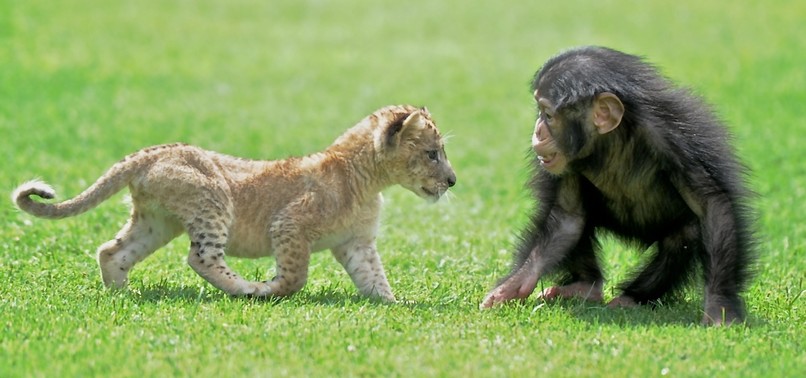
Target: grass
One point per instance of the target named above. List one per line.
(83, 84)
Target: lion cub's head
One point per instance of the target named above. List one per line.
(407, 139)
(408, 149)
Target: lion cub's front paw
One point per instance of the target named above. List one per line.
(386, 298)
(250, 289)
(259, 289)
(383, 294)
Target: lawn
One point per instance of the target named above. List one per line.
(83, 83)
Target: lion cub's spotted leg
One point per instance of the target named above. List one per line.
(140, 237)
(207, 242)
(363, 264)
(293, 254)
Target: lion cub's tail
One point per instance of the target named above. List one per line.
(110, 183)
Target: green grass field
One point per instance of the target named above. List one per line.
(83, 83)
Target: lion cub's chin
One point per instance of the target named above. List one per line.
(430, 195)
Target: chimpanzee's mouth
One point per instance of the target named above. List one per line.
(546, 159)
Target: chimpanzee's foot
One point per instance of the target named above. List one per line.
(589, 291)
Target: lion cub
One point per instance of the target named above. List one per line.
(250, 208)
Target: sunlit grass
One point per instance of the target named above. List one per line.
(82, 85)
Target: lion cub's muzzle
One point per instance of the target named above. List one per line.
(452, 180)
(438, 186)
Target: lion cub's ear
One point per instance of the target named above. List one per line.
(399, 129)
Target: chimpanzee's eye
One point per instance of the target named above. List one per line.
(545, 116)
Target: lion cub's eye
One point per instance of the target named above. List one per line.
(433, 155)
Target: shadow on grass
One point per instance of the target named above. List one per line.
(685, 313)
(165, 292)
(170, 292)
(335, 297)
(679, 312)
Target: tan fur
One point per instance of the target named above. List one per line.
(249, 208)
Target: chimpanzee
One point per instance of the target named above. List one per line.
(621, 149)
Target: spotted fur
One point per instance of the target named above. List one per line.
(288, 208)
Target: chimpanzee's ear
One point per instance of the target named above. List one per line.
(607, 112)
(396, 130)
